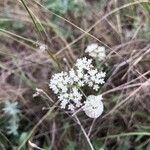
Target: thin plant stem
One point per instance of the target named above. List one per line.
(91, 127)
(85, 134)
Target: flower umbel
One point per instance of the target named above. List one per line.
(96, 51)
(68, 86)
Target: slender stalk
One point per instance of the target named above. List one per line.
(126, 134)
(31, 16)
(36, 23)
(85, 134)
(37, 125)
(91, 127)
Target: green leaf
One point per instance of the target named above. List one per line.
(125, 145)
(98, 144)
(70, 146)
(23, 136)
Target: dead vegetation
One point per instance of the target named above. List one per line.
(23, 67)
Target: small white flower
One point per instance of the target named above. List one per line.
(77, 102)
(63, 103)
(86, 78)
(96, 87)
(71, 107)
(100, 81)
(92, 72)
(72, 73)
(96, 51)
(93, 106)
(79, 73)
(90, 83)
(101, 74)
(84, 64)
(81, 83)
(92, 47)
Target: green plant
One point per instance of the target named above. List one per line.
(62, 6)
(12, 112)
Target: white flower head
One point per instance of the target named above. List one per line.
(92, 47)
(96, 51)
(93, 106)
(69, 85)
(71, 107)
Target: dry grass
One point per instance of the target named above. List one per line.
(23, 67)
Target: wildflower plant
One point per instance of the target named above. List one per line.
(12, 112)
(69, 86)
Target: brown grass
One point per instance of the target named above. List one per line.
(23, 67)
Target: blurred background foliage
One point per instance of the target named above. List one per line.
(61, 25)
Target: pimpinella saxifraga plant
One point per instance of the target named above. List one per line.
(70, 86)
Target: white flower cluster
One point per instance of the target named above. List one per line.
(93, 106)
(68, 86)
(96, 51)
